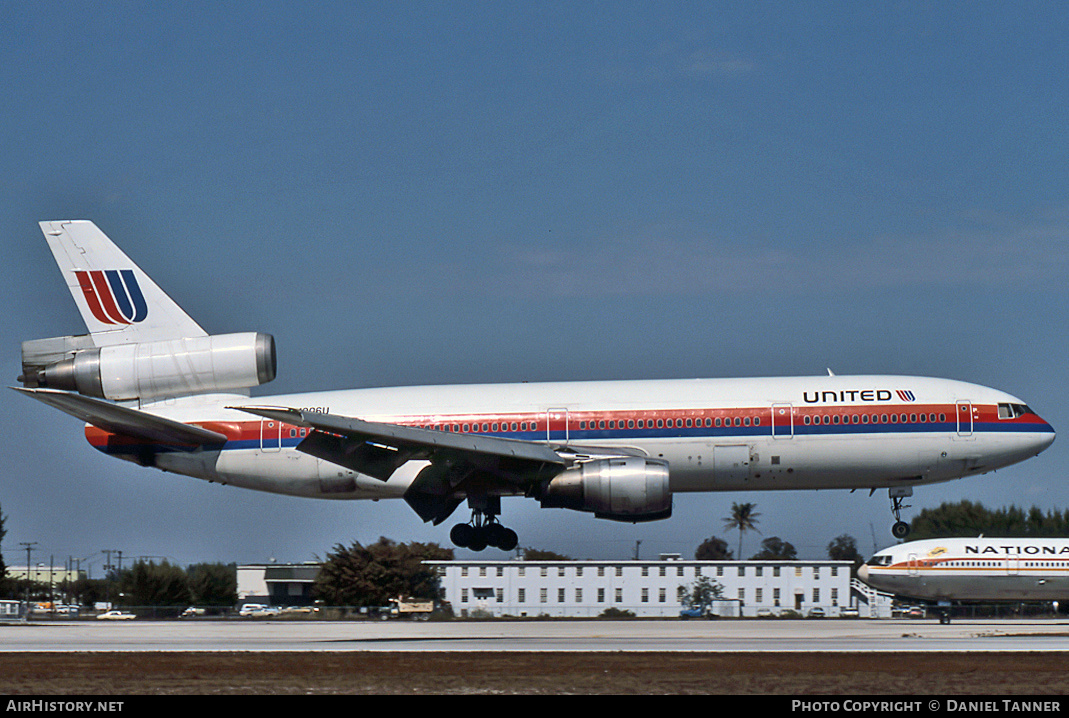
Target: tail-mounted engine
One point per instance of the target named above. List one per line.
(621, 489)
(152, 370)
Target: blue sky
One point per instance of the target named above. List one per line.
(425, 192)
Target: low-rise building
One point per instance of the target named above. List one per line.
(644, 588)
(586, 589)
(277, 584)
(45, 574)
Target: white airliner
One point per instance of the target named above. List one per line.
(973, 569)
(156, 389)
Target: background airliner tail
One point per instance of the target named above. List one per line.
(119, 303)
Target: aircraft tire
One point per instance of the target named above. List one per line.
(462, 535)
(478, 540)
(508, 541)
(900, 529)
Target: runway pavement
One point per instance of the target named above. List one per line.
(634, 635)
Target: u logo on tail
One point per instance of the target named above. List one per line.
(113, 295)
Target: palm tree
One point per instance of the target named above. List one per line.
(744, 518)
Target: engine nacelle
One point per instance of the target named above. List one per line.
(625, 489)
(177, 367)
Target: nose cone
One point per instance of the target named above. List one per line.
(1045, 438)
(863, 573)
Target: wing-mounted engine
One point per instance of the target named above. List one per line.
(150, 370)
(621, 489)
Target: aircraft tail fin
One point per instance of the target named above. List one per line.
(119, 303)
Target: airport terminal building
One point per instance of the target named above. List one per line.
(586, 589)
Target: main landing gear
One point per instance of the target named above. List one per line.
(900, 529)
(484, 530)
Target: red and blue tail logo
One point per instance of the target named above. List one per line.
(113, 295)
(906, 395)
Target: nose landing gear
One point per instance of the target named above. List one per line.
(900, 529)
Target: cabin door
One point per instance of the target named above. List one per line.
(782, 421)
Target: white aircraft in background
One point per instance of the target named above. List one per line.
(973, 569)
(156, 389)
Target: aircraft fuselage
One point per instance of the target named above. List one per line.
(716, 434)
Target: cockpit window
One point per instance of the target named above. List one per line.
(880, 560)
(1012, 411)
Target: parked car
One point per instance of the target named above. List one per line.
(765, 613)
(696, 613)
(849, 613)
(816, 612)
(250, 609)
(116, 615)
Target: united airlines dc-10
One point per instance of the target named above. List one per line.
(973, 569)
(154, 388)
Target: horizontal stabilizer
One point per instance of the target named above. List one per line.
(128, 422)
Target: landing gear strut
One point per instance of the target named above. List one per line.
(900, 529)
(484, 530)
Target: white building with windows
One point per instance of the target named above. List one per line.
(585, 589)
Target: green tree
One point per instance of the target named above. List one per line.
(966, 518)
(701, 593)
(744, 518)
(713, 549)
(5, 588)
(774, 547)
(371, 575)
(88, 591)
(535, 554)
(148, 583)
(844, 548)
(213, 584)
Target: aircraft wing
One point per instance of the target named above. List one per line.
(129, 422)
(458, 462)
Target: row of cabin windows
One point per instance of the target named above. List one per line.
(485, 427)
(873, 419)
(689, 423)
(600, 424)
(670, 423)
(684, 423)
